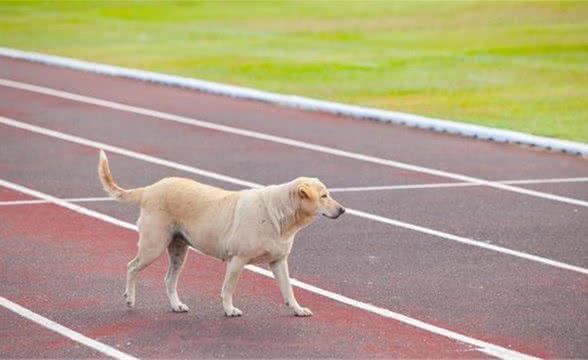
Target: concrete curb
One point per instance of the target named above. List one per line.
(300, 102)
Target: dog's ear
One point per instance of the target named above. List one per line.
(306, 191)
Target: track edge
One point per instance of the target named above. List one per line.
(305, 103)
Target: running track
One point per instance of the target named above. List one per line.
(505, 263)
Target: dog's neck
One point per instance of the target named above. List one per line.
(282, 204)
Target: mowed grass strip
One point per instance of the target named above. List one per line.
(519, 66)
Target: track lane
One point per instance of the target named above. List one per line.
(21, 338)
(73, 257)
(446, 152)
(7, 195)
(182, 142)
(577, 190)
(554, 231)
(248, 113)
(189, 144)
(240, 182)
(417, 274)
(291, 142)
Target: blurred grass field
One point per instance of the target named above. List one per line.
(519, 66)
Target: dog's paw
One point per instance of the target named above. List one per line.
(130, 302)
(302, 312)
(234, 312)
(180, 308)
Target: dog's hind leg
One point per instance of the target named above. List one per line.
(177, 252)
(154, 237)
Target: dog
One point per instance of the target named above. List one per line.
(240, 227)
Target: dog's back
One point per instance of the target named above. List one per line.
(201, 213)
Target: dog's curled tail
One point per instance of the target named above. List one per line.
(115, 191)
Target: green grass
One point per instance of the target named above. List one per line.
(520, 66)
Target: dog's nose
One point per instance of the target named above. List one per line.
(341, 210)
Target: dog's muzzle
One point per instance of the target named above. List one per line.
(340, 212)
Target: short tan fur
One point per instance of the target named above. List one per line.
(239, 227)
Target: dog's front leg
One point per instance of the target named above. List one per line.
(280, 270)
(234, 269)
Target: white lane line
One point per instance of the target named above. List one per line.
(492, 350)
(547, 181)
(233, 180)
(348, 189)
(73, 200)
(401, 187)
(456, 184)
(125, 152)
(463, 240)
(483, 346)
(64, 331)
(284, 141)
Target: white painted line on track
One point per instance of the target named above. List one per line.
(488, 348)
(64, 331)
(348, 189)
(547, 181)
(236, 181)
(456, 184)
(401, 187)
(125, 152)
(284, 141)
(305, 103)
(463, 240)
(34, 202)
(493, 350)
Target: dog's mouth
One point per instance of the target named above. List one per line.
(339, 213)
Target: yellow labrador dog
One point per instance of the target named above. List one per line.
(240, 227)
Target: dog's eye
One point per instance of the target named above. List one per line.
(324, 196)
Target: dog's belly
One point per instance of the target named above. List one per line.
(266, 257)
(207, 227)
(207, 242)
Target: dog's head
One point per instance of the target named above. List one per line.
(315, 198)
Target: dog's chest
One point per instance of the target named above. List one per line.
(271, 251)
